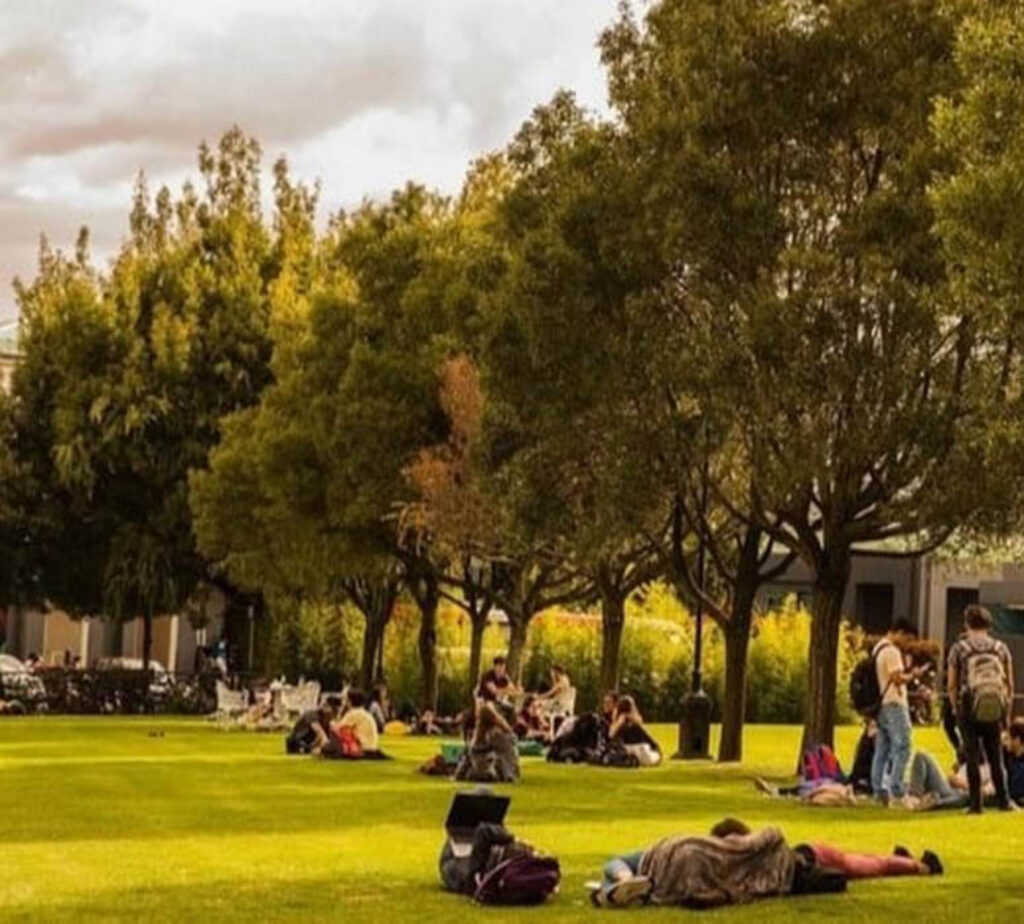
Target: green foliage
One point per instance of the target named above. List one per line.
(657, 653)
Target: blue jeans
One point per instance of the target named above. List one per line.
(926, 777)
(892, 751)
(628, 864)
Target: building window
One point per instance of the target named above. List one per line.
(873, 607)
(957, 600)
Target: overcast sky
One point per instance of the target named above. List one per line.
(363, 94)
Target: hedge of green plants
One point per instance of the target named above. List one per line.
(657, 655)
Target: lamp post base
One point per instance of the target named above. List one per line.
(695, 728)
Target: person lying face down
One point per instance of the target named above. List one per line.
(734, 865)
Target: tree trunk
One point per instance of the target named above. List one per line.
(147, 656)
(147, 639)
(517, 626)
(737, 645)
(428, 603)
(478, 624)
(613, 617)
(826, 617)
(734, 698)
(373, 635)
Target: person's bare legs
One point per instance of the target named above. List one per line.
(871, 866)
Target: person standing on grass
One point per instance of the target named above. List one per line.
(979, 680)
(893, 742)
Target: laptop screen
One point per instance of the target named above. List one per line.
(469, 809)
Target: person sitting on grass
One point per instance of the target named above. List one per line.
(496, 685)
(735, 865)
(560, 689)
(609, 703)
(11, 707)
(1013, 753)
(359, 719)
(312, 730)
(531, 723)
(628, 731)
(427, 724)
(380, 706)
(491, 755)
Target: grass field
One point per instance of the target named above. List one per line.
(101, 820)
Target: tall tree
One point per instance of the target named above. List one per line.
(185, 310)
(788, 153)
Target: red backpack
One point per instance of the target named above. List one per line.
(526, 879)
(820, 763)
(348, 743)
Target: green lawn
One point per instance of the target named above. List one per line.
(100, 820)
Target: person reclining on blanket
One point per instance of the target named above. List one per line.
(312, 730)
(491, 755)
(735, 865)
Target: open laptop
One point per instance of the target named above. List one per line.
(469, 809)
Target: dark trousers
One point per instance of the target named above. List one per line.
(952, 729)
(978, 736)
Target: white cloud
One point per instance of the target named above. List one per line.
(363, 95)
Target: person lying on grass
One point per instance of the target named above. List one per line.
(734, 865)
(931, 789)
(822, 781)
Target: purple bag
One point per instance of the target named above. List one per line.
(524, 880)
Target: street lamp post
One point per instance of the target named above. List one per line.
(695, 724)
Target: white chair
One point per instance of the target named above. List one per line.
(299, 699)
(561, 706)
(231, 704)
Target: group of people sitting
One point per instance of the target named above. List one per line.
(337, 730)
(614, 736)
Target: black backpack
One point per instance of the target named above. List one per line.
(865, 693)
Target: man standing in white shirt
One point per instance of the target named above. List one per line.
(893, 743)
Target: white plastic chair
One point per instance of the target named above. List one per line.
(231, 704)
(563, 705)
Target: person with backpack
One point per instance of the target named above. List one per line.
(893, 741)
(979, 679)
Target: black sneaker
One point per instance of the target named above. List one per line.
(932, 861)
(900, 851)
